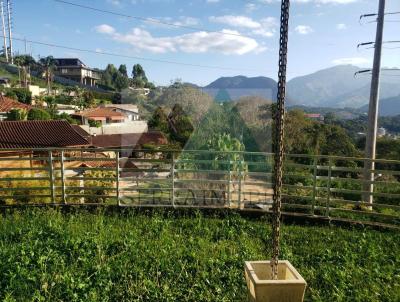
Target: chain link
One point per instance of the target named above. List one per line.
(279, 136)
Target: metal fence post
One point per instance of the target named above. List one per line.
(229, 182)
(328, 199)
(51, 176)
(117, 170)
(240, 185)
(173, 179)
(314, 196)
(63, 195)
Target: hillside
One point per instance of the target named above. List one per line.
(233, 88)
(387, 106)
(337, 87)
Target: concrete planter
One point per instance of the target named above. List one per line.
(289, 287)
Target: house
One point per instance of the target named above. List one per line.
(39, 134)
(381, 132)
(142, 91)
(74, 69)
(131, 111)
(7, 104)
(314, 116)
(103, 115)
(67, 109)
(36, 90)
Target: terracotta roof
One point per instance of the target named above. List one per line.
(39, 134)
(99, 112)
(128, 107)
(81, 131)
(6, 104)
(129, 140)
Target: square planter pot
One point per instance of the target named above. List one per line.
(289, 287)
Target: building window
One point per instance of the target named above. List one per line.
(64, 70)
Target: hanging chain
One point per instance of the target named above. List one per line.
(279, 136)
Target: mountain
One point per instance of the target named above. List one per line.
(387, 107)
(233, 88)
(337, 87)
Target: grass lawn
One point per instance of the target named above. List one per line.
(49, 256)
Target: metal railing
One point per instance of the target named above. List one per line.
(329, 186)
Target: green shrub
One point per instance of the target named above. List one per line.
(36, 114)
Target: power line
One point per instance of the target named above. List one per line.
(144, 19)
(131, 57)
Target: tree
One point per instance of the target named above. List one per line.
(180, 125)
(48, 65)
(120, 81)
(139, 73)
(25, 62)
(122, 70)
(107, 77)
(193, 101)
(36, 114)
(16, 115)
(159, 121)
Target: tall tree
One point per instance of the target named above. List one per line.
(139, 78)
(138, 72)
(25, 62)
(122, 69)
(48, 65)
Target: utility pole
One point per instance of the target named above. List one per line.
(4, 30)
(370, 146)
(10, 30)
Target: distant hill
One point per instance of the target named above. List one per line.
(233, 88)
(338, 88)
(387, 107)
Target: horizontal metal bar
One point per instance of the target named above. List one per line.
(24, 169)
(90, 188)
(23, 158)
(89, 195)
(346, 201)
(23, 178)
(289, 164)
(86, 169)
(66, 159)
(24, 196)
(25, 188)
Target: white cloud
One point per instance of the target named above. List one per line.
(236, 21)
(265, 27)
(105, 29)
(114, 2)
(250, 7)
(352, 61)
(212, 1)
(303, 29)
(341, 26)
(196, 42)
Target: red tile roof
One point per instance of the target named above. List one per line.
(132, 140)
(81, 131)
(100, 112)
(6, 104)
(39, 134)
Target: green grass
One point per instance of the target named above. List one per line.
(49, 256)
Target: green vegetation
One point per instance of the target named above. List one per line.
(36, 114)
(49, 256)
(17, 115)
(22, 95)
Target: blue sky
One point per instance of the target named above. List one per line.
(323, 33)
